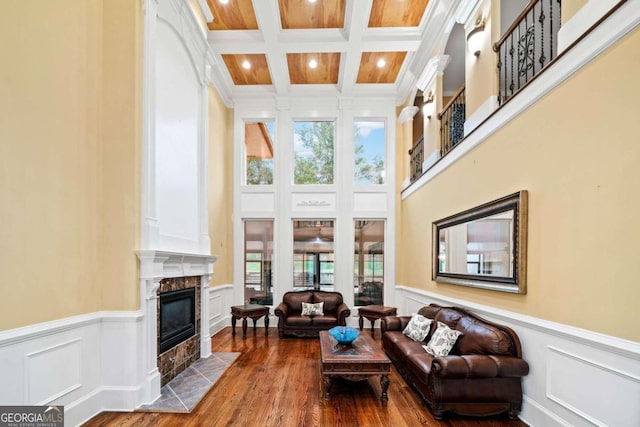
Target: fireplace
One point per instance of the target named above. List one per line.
(177, 317)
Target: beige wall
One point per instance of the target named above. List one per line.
(221, 188)
(570, 7)
(68, 168)
(576, 151)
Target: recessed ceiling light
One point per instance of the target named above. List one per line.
(381, 63)
(224, 1)
(312, 1)
(313, 64)
(246, 64)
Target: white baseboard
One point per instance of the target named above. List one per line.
(569, 367)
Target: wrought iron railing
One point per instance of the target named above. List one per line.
(452, 120)
(416, 154)
(529, 44)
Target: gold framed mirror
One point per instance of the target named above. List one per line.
(484, 247)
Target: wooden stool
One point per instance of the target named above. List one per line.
(374, 312)
(253, 311)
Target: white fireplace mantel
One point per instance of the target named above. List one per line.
(155, 266)
(162, 264)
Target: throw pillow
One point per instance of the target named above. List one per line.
(312, 309)
(442, 340)
(418, 327)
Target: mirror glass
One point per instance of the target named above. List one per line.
(484, 247)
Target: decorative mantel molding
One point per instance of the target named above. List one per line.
(162, 264)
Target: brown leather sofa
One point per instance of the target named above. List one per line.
(292, 322)
(482, 375)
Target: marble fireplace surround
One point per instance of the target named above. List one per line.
(160, 271)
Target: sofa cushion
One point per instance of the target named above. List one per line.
(418, 327)
(298, 320)
(295, 299)
(324, 320)
(331, 301)
(442, 340)
(407, 347)
(312, 309)
(481, 338)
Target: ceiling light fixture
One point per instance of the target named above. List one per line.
(312, 1)
(381, 63)
(224, 1)
(313, 64)
(246, 64)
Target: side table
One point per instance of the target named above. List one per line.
(253, 311)
(374, 312)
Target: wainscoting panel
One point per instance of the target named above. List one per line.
(220, 298)
(370, 202)
(577, 377)
(60, 365)
(258, 202)
(88, 363)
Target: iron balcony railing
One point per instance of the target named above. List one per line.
(452, 120)
(529, 44)
(416, 154)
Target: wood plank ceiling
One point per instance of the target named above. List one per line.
(332, 47)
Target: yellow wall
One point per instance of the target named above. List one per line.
(221, 188)
(68, 168)
(570, 7)
(576, 151)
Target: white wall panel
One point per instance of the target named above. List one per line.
(313, 202)
(370, 202)
(53, 372)
(177, 104)
(258, 202)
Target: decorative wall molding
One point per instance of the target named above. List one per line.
(569, 366)
(407, 114)
(435, 67)
(612, 29)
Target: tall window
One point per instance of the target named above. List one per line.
(369, 152)
(258, 258)
(313, 146)
(313, 254)
(258, 143)
(368, 264)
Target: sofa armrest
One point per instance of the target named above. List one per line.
(479, 366)
(394, 323)
(282, 310)
(342, 313)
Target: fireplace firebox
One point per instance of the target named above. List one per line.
(177, 317)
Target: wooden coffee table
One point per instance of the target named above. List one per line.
(355, 362)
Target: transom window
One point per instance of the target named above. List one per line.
(369, 167)
(258, 142)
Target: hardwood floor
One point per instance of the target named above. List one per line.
(276, 382)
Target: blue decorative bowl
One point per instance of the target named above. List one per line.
(344, 334)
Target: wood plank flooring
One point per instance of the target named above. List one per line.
(276, 382)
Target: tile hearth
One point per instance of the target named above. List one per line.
(184, 392)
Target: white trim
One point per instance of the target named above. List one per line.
(608, 343)
(583, 19)
(407, 113)
(482, 112)
(620, 23)
(465, 10)
(435, 67)
(206, 10)
(430, 159)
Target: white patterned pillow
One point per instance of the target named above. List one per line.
(442, 340)
(312, 309)
(418, 327)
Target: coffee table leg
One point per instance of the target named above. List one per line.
(244, 327)
(384, 384)
(233, 325)
(266, 325)
(327, 386)
(361, 321)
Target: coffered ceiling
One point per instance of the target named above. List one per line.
(348, 48)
